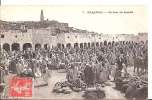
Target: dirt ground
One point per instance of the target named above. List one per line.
(45, 92)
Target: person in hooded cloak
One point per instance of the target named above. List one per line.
(89, 75)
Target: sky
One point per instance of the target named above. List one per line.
(77, 16)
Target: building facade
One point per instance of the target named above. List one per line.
(47, 34)
(43, 38)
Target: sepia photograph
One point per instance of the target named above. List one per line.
(85, 52)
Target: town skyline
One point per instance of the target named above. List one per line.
(87, 18)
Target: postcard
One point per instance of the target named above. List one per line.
(82, 52)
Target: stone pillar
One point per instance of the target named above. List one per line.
(33, 46)
(21, 47)
(0, 47)
(10, 47)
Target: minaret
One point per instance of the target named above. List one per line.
(41, 16)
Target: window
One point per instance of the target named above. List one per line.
(2, 35)
(68, 37)
(15, 36)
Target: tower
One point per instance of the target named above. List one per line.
(41, 16)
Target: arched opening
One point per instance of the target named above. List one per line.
(68, 45)
(132, 42)
(59, 45)
(93, 44)
(105, 43)
(97, 44)
(15, 47)
(85, 45)
(76, 45)
(6, 47)
(27, 46)
(123, 42)
(89, 45)
(37, 46)
(46, 46)
(109, 43)
(129, 42)
(81, 45)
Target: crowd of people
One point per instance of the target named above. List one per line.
(84, 66)
(89, 59)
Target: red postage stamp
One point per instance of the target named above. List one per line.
(20, 87)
